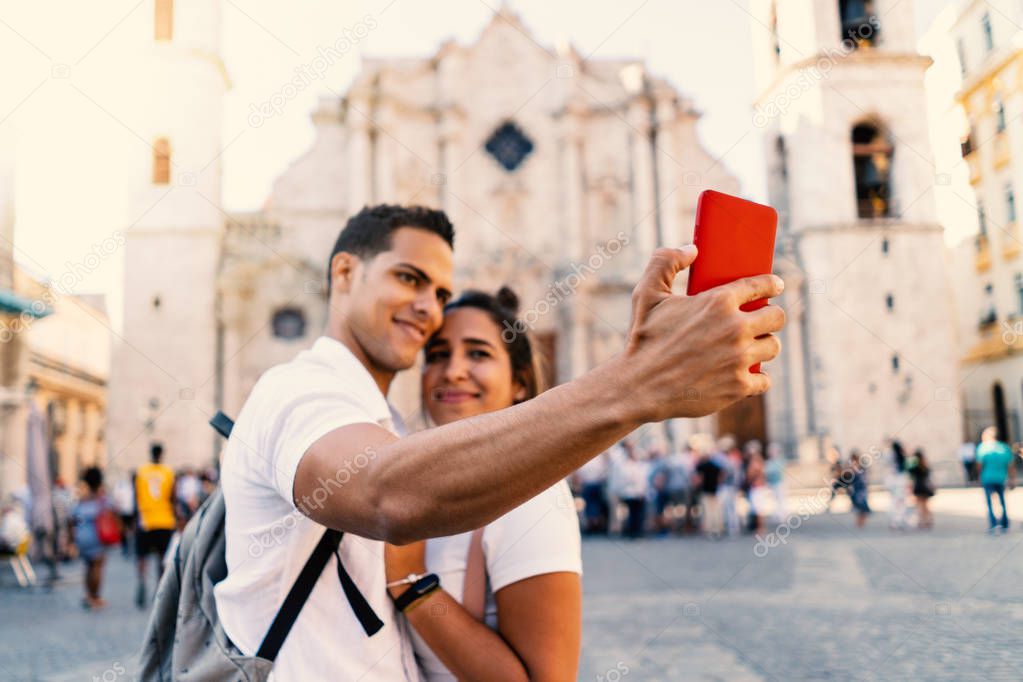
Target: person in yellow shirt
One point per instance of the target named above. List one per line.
(154, 492)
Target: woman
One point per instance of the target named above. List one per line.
(774, 473)
(511, 596)
(923, 491)
(857, 484)
(839, 479)
(898, 485)
(756, 478)
(91, 503)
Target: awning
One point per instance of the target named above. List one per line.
(13, 304)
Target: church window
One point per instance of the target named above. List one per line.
(289, 323)
(981, 220)
(999, 114)
(872, 162)
(895, 362)
(156, 302)
(1010, 204)
(161, 161)
(961, 50)
(509, 146)
(860, 24)
(885, 246)
(989, 37)
(889, 302)
(989, 315)
(164, 20)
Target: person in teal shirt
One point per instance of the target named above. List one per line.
(995, 460)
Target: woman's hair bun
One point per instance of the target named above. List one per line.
(508, 299)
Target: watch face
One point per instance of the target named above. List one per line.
(422, 587)
(427, 583)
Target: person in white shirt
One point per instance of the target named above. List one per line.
(316, 447)
(632, 484)
(510, 591)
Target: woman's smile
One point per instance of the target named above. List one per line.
(452, 396)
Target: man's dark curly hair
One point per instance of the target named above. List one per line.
(368, 232)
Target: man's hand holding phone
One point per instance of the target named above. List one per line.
(689, 356)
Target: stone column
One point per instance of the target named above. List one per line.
(359, 166)
(643, 225)
(669, 176)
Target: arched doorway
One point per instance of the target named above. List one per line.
(745, 420)
(1001, 415)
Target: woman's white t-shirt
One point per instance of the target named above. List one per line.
(537, 537)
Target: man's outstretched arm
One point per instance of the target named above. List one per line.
(684, 357)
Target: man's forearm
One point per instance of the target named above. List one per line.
(465, 474)
(683, 357)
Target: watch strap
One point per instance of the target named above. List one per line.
(422, 587)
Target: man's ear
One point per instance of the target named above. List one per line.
(342, 271)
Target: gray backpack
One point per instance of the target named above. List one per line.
(184, 639)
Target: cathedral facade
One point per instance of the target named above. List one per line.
(561, 175)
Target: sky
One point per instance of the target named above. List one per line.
(65, 89)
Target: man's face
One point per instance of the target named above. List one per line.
(395, 300)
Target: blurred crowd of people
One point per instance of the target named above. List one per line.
(716, 488)
(706, 486)
(904, 475)
(141, 514)
(991, 463)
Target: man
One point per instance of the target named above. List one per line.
(968, 456)
(154, 491)
(315, 444)
(709, 472)
(632, 478)
(996, 466)
(124, 503)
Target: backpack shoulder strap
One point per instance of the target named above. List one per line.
(297, 596)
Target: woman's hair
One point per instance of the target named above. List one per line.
(503, 309)
(93, 478)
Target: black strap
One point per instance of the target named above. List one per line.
(303, 587)
(371, 624)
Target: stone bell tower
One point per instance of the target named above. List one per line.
(870, 347)
(163, 378)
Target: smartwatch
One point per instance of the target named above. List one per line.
(420, 588)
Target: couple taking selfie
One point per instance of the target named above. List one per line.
(494, 591)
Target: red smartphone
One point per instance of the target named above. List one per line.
(735, 239)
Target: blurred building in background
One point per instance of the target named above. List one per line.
(561, 173)
(54, 354)
(988, 267)
(870, 348)
(164, 383)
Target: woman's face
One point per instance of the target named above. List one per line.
(467, 370)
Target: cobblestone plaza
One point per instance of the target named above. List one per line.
(831, 602)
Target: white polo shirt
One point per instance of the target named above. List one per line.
(538, 537)
(269, 540)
